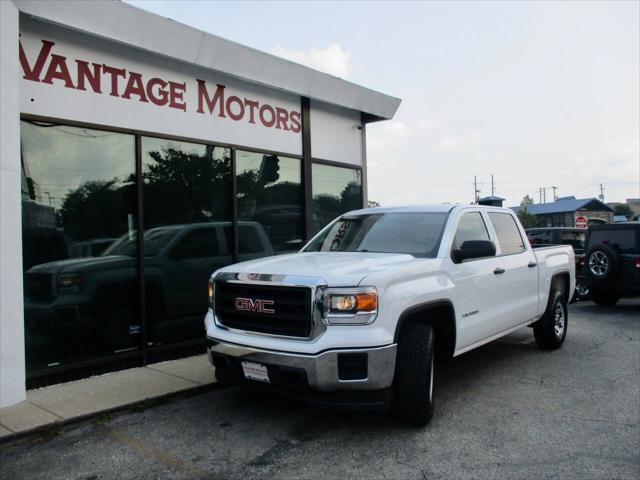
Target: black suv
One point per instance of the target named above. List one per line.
(612, 262)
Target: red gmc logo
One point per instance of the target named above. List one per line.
(257, 305)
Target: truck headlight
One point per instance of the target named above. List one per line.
(70, 280)
(353, 306)
(211, 293)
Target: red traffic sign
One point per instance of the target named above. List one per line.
(581, 222)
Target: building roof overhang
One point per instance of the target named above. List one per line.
(123, 23)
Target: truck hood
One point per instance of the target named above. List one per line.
(78, 265)
(337, 269)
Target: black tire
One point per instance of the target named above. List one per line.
(414, 386)
(551, 330)
(605, 298)
(601, 263)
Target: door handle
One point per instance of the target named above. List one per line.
(498, 271)
(532, 264)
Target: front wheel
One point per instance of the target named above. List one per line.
(414, 374)
(551, 330)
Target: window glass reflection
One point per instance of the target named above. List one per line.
(186, 190)
(336, 190)
(269, 204)
(78, 197)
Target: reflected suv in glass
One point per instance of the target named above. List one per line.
(102, 292)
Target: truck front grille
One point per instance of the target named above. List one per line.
(269, 309)
(38, 286)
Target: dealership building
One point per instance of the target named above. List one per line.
(114, 121)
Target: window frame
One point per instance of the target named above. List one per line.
(309, 205)
(499, 252)
(236, 213)
(488, 230)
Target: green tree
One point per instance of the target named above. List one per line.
(527, 219)
(184, 187)
(97, 209)
(623, 210)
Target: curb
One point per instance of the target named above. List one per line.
(55, 427)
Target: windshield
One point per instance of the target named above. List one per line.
(416, 234)
(154, 241)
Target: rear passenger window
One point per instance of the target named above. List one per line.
(508, 233)
(249, 239)
(471, 227)
(200, 243)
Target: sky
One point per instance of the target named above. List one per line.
(537, 94)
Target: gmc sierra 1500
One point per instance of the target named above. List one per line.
(357, 316)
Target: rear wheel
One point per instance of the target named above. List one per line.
(414, 385)
(551, 330)
(605, 298)
(602, 263)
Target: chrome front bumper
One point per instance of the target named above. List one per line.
(321, 369)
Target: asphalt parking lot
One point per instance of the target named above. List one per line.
(506, 410)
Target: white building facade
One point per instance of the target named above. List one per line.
(117, 121)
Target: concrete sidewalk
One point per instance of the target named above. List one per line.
(70, 401)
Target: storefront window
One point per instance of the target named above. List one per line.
(269, 204)
(186, 191)
(336, 190)
(81, 252)
(78, 199)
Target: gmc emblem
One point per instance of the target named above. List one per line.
(257, 305)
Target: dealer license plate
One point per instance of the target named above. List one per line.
(255, 371)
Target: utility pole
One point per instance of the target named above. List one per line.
(493, 190)
(475, 189)
(540, 194)
(555, 197)
(601, 196)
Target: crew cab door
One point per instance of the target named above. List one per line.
(479, 285)
(519, 295)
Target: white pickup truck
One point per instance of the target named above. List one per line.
(357, 316)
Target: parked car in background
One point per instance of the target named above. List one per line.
(90, 248)
(99, 293)
(612, 262)
(576, 237)
(42, 245)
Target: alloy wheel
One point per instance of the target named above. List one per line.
(598, 263)
(558, 320)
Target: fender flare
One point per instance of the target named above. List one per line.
(565, 277)
(426, 306)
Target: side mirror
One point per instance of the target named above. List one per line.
(474, 249)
